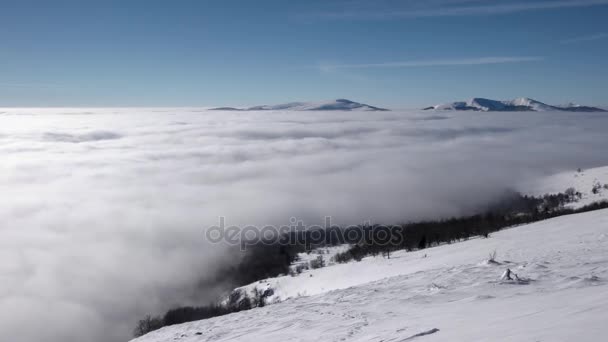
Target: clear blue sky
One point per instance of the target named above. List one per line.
(392, 53)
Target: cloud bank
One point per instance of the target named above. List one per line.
(103, 211)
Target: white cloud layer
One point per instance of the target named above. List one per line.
(103, 210)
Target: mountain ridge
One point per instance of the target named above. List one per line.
(338, 104)
(522, 104)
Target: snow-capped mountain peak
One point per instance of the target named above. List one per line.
(486, 104)
(530, 103)
(516, 105)
(338, 104)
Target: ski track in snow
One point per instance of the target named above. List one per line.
(451, 294)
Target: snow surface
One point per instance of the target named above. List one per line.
(326, 253)
(339, 104)
(447, 293)
(527, 102)
(583, 181)
(519, 104)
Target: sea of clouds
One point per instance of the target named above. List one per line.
(103, 211)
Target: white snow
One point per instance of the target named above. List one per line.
(583, 181)
(326, 253)
(487, 105)
(449, 293)
(451, 106)
(290, 286)
(339, 104)
(527, 102)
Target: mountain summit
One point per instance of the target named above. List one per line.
(339, 104)
(522, 104)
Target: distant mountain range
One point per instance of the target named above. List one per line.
(339, 104)
(523, 104)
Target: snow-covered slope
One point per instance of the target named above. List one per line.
(448, 293)
(530, 103)
(583, 181)
(339, 104)
(326, 254)
(520, 104)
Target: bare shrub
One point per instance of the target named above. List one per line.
(148, 324)
(317, 263)
(492, 257)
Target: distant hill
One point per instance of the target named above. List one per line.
(523, 104)
(338, 105)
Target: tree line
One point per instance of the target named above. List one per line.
(267, 260)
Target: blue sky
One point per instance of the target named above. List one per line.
(406, 53)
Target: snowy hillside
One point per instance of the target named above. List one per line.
(520, 104)
(339, 104)
(591, 183)
(448, 293)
